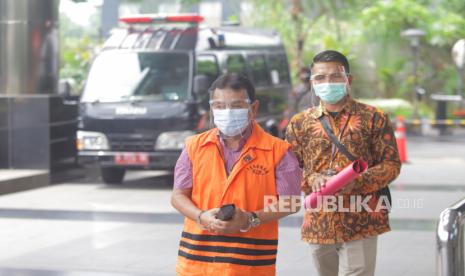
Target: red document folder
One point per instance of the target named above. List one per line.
(337, 182)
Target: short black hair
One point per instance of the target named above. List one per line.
(235, 82)
(331, 56)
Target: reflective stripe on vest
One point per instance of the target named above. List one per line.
(251, 179)
(222, 249)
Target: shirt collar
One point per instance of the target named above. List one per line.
(349, 107)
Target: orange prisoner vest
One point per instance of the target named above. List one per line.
(251, 179)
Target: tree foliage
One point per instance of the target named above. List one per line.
(369, 33)
(78, 46)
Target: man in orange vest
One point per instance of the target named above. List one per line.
(235, 163)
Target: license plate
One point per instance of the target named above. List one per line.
(132, 158)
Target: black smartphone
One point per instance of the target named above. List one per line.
(226, 212)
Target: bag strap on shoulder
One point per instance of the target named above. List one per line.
(324, 121)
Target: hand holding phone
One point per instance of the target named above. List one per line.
(226, 212)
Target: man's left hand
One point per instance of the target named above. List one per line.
(347, 189)
(239, 221)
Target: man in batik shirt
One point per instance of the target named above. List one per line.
(344, 241)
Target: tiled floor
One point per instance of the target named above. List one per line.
(89, 229)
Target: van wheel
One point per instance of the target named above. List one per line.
(112, 176)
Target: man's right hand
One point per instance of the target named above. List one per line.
(318, 182)
(208, 217)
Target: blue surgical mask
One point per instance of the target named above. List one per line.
(330, 92)
(231, 122)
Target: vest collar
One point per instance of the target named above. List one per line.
(254, 141)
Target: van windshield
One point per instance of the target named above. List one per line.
(123, 76)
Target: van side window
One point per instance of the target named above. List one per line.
(279, 63)
(144, 38)
(157, 36)
(130, 40)
(236, 64)
(257, 67)
(208, 66)
(187, 39)
(169, 38)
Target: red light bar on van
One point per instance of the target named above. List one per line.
(185, 18)
(155, 18)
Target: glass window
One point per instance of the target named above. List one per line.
(278, 63)
(157, 36)
(236, 64)
(169, 38)
(208, 66)
(143, 40)
(130, 40)
(258, 69)
(187, 40)
(119, 76)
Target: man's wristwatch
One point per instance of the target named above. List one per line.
(252, 221)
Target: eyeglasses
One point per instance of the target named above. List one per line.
(334, 77)
(219, 104)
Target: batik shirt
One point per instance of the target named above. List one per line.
(368, 134)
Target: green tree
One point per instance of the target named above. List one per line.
(369, 32)
(78, 46)
(307, 26)
(443, 23)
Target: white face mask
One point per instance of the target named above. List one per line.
(330, 92)
(231, 122)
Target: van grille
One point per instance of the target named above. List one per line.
(131, 144)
